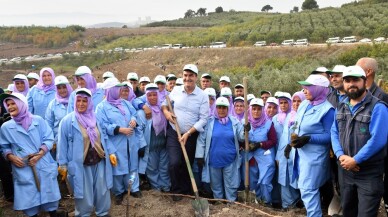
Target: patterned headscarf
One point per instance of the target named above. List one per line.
(41, 86)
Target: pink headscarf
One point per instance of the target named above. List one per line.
(87, 119)
(113, 97)
(64, 100)
(223, 120)
(159, 122)
(282, 115)
(256, 122)
(301, 96)
(41, 86)
(212, 108)
(238, 116)
(91, 83)
(24, 117)
(266, 107)
(26, 87)
(318, 93)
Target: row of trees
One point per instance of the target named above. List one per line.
(307, 5)
(201, 12)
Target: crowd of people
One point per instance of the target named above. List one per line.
(108, 138)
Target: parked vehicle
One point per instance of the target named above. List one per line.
(260, 43)
(16, 59)
(218, 44)
(3, 60)
(365, 40)
(349, 39)
(379, 39)
(302, 42)
(289, 42)
(165, 46)
(177, 46)
(333, 40)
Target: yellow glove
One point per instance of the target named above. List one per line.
(63, 172)
(113, 159)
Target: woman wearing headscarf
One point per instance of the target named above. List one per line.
(290, 195)
(271, 107)
(261, 156)
(41, 95)
(83, 159)
(25, 141)
(212, 100)
(153, 155)
(21, 84)
(56, 109)
(227, 93)
(218, 151)
(311, 140)
(126, 92)
(85, 79)
(284, 102)
(118, 122)
(239, 109)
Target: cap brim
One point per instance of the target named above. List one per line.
(264, 91)
(84, 92)
(354, 75)
(121, 85)
(305, 83)
(6, 95)
(335, 72)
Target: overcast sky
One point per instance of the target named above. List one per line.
(88, 12)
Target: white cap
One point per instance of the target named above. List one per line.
(320, 70)
(354, 71)
(111, 82)
(210, 91)
(108, 75)
(257, 101)
(191, 67)
(145, 79)
(226, 91)
(83, 90)
(170, 76)
(179, 81)
(33, 75)
(19, 77)
(284, 95)
(273, 100)
(239, 98)
(132, 76)
(11, 87)
(225, 78)
(82, 70)
(318, 80)
(277, 93)
(14, 95)
(160, 78)
(238, 85)
(127, 83)
(151, 86)
(250, 96)
(206, 75)
(222, 101)
(338, 69)
(60, 79)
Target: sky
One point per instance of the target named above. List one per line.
(89, 12)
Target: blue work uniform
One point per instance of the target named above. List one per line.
(124, 147)
(90, 184)
(155, 161)
(38, 101)
(226, 180)
(16, 140)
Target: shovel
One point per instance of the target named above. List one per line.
(34, 172)
(200, 205)
(130, 182)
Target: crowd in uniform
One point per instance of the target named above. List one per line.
(104, 139)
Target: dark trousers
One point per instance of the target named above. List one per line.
(179, 175)
(361, 192)
(6, 178)
(386, 183)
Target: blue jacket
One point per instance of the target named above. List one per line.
(204, 141)
(314, 168)
(97, 97)
(70, 152)
(38, 101)
(22, 143)
(54, 114)
(110, 117)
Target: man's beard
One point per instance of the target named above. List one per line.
(356, 94)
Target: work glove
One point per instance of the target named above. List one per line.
(287, 151)
(300, 141)
(62, 170)
(141, 152)
(254, 146)
(200, 162)
(247, 127)
(113, 159)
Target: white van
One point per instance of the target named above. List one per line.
(165, 46)
(289, 42)
(260, 43)
(349, 39)
(177, 46)
(218, 44)
(302, 42)
(333, 40)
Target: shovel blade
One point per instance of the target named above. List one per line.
(241, 196)
(201, 207)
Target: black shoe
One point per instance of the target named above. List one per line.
(136, 194)
(176, 198)
(119, 199)
(276, 205)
